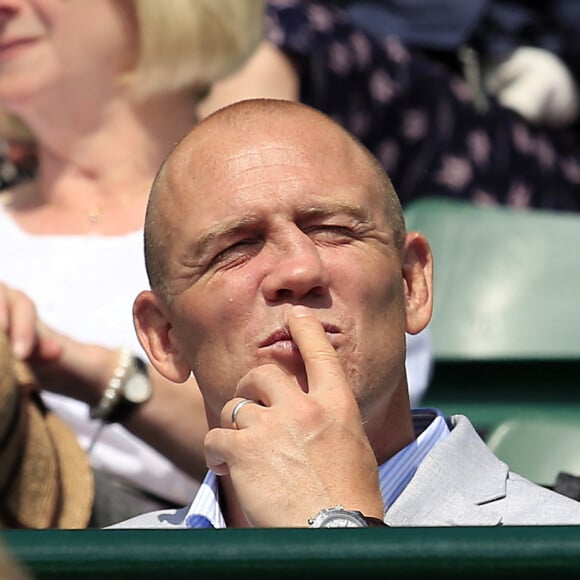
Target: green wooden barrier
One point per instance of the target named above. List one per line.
(367, 553)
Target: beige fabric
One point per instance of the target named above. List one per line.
(45, 477)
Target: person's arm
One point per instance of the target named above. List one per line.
(172, 421)
(269, 73)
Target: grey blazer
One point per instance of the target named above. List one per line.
(460, 483)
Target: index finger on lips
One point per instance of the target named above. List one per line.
(321, 360)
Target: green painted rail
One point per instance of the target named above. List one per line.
(280, 553)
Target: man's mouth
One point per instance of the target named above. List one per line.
(283, 339)
(11, 47)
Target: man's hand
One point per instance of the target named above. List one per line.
(296, 452)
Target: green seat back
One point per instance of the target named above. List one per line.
(538, 449)
(507, 281)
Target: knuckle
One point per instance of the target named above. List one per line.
(262, 372)
(260, 375)
(313, 413)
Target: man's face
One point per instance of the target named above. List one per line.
(277, 222)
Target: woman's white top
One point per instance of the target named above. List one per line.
(84, 287)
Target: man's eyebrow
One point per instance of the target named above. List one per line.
(336, 208)
(224, 229)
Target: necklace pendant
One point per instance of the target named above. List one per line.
(94, 215)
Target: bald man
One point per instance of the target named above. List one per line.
(283, 277)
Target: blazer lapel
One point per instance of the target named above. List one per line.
(458, 484)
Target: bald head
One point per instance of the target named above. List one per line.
(262, 123)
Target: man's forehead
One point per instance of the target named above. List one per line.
(275, 152)
(202, 171)
(267, 154)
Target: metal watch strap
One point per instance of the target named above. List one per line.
(374, 522)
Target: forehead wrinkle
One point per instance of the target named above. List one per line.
(266, 155)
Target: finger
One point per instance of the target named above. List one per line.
(216, 446)
(18, 318)
(236, 413)
(321, 360)
(267, 384)
(50, 344)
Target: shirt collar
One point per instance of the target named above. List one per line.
(205, 510)
(394, 474)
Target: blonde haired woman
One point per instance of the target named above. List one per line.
(103, 90)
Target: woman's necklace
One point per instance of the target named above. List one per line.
(94, 214)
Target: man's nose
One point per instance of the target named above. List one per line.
(8, 8)
(297, 271)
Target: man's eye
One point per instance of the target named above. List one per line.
(332, 233)
(236, 252)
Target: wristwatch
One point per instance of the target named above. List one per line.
(338, 517)
(129, 388)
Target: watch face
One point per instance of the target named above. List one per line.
(137, 389)
(339, 518)
(341, 522)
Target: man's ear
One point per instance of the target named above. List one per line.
(153, 327)
(418, 282)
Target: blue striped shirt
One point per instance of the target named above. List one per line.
(394, 474)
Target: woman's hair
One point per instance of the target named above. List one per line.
(182, 44)
(193, 43)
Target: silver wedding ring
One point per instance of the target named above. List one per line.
(237, 409)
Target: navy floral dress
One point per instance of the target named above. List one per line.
(419, 119)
